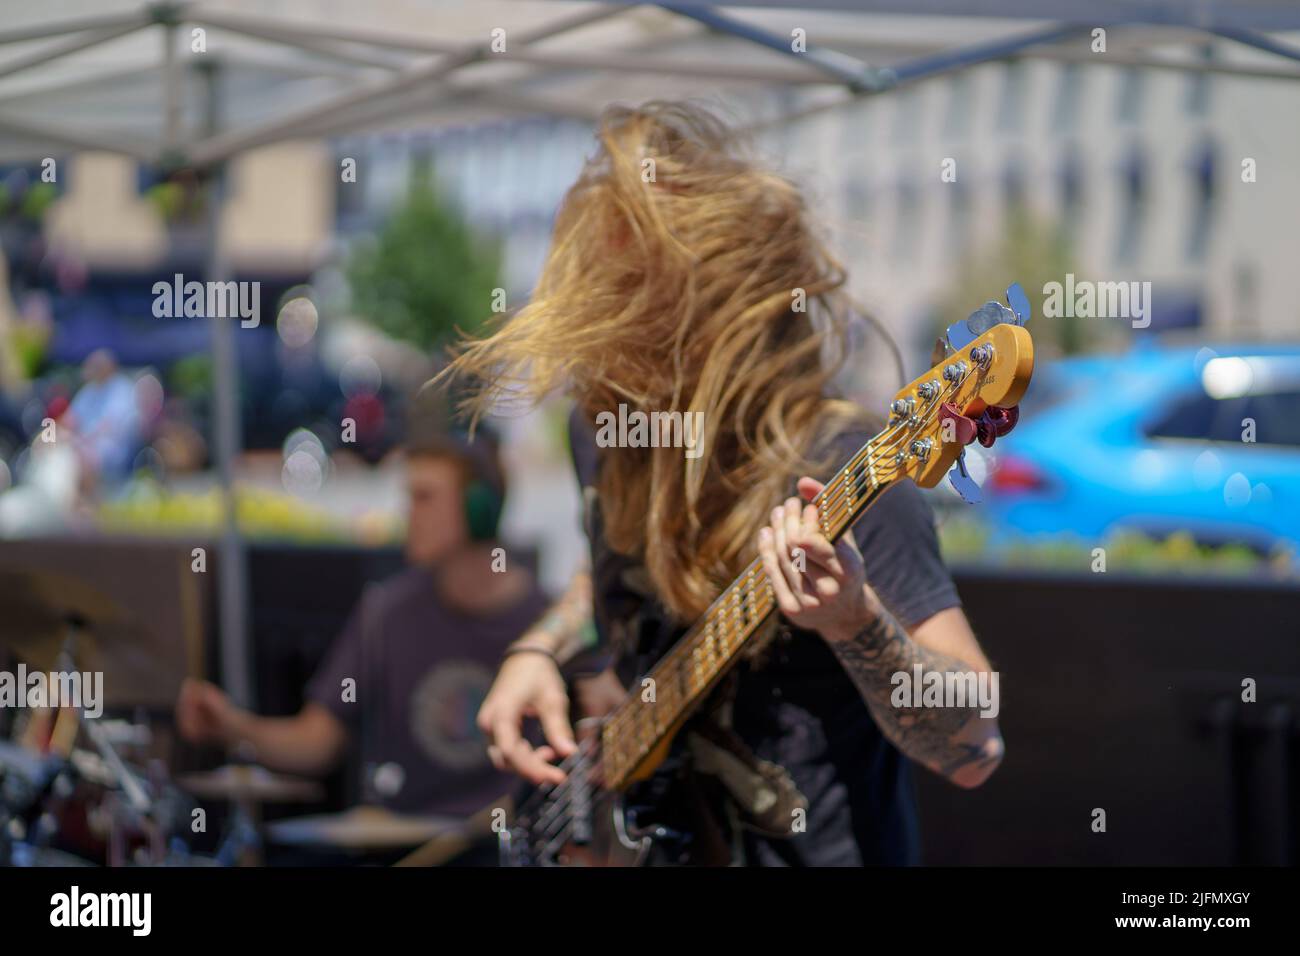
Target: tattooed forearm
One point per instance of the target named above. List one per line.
(954, 741)
(567, 628)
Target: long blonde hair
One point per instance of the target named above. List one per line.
(682, 278)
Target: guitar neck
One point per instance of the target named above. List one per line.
(653, 712)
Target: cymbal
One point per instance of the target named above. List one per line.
(244, 782)
(361, 828)
(134, 609)
(37, 606)
(445, 846)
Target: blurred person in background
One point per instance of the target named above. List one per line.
(105, 419)
(403, 680)
(48, 498)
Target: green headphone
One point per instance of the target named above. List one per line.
(483, 507)
(485, 491)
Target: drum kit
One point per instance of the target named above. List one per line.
(83, 791)
(88, 810)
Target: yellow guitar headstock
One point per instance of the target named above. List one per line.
(993, 370)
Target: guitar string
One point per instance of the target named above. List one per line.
(557, 795)
(836, 510)
(757, 605)
(752, 602)
(867, 456)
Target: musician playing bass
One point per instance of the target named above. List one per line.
(683, 278)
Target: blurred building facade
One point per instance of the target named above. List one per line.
(1142, 169)
(1147, 172)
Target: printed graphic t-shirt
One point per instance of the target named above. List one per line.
(421, 670)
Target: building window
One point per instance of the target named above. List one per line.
(1133, 195)
(1132, 89)
(1069, 93)
(1202, 169)
(1011, 107)
(907, 222)
(956, 122)
(857, 198)
(780, 138)
(1198, 84)
(1070, 178)
(907, 115)
(350, 204)
(959, 216)
(1013, 184)
(855, 133)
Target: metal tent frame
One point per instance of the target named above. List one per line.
(429, 68)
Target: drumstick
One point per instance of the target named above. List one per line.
(445, 846)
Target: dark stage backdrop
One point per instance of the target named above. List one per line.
(1125, 694)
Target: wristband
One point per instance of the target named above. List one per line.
(530, 649)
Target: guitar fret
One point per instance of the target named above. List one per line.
(705, 652)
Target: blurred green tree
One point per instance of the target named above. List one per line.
(426, 277)
(1033, 252)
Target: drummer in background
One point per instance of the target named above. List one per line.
(405, 677)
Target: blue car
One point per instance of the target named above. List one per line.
(1159, 440)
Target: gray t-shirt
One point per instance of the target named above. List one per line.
(797, 707)
(420, 671)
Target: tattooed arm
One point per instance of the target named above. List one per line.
(961, 743)
(822, 587)
(566, 628)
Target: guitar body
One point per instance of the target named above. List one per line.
(579, 823)
(612, 841)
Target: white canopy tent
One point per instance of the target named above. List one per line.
(136, 78)
(180, 84)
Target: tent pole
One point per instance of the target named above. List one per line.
(232, 569)
(324, 48)
(75, 45)
(215, 148)
(77, 25)
(1258, 41)
(69, 139)
(839, 67)
(172, 79)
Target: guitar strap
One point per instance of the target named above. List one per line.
(751, 793)
(762, 795)
(754, 794)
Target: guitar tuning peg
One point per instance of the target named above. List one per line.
(963, 483)
(940, 351)
(963, 333)
(1019, 303)
(956, 426)
(995, 422)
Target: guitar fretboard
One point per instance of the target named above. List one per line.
(700, 658)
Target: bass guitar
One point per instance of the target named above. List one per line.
(971, 394)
